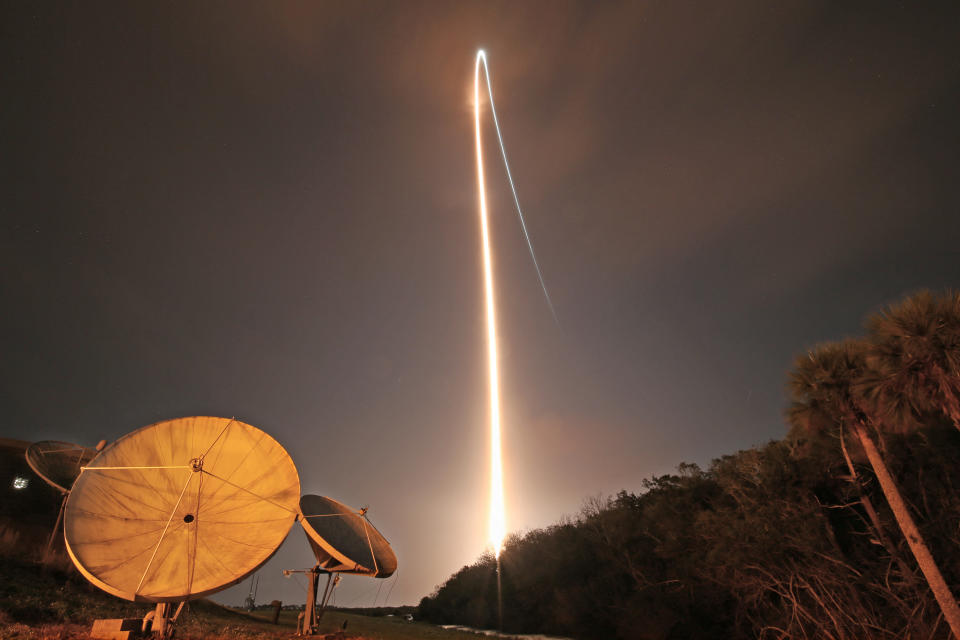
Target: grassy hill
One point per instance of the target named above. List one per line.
(53, 602)
(375, 627)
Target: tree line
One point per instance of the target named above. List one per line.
(847, 528)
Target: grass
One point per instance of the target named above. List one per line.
(53, 602)
(373, 627)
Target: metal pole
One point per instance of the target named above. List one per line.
(56, 527)
(327, 592)
(310, 612)
(161, 620)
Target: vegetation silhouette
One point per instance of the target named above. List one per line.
(837, 531)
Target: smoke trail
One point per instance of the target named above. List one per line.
(482, 57)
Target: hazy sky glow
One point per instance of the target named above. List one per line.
(269, 211)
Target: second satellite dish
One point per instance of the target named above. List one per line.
(343, 540)
(58, 463)
(181, 509)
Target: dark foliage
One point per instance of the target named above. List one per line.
(793, 539)
(769, 542)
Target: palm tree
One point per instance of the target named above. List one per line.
(823, 384)
(914, 361)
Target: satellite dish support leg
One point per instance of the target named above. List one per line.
(310, 618)
(309, 621)
(327, 592)
(160, 624)
(56, 527)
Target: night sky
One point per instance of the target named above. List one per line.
(268, 211)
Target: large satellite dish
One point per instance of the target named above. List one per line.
(181, 509)
(58, 463)
(343, 540)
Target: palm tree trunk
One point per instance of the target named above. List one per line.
(946, 600)
(908, 574)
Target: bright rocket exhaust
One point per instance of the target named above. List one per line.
(498, 526)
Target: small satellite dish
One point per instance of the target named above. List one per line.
(181, 509)
(343, 540)
(58, 463)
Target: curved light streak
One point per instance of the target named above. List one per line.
(481, 56)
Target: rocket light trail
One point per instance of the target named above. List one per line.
(498, 529)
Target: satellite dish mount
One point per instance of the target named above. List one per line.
(308, 620)
(160, 621)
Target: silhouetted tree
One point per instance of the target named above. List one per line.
(914, 361)
(823, 384)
